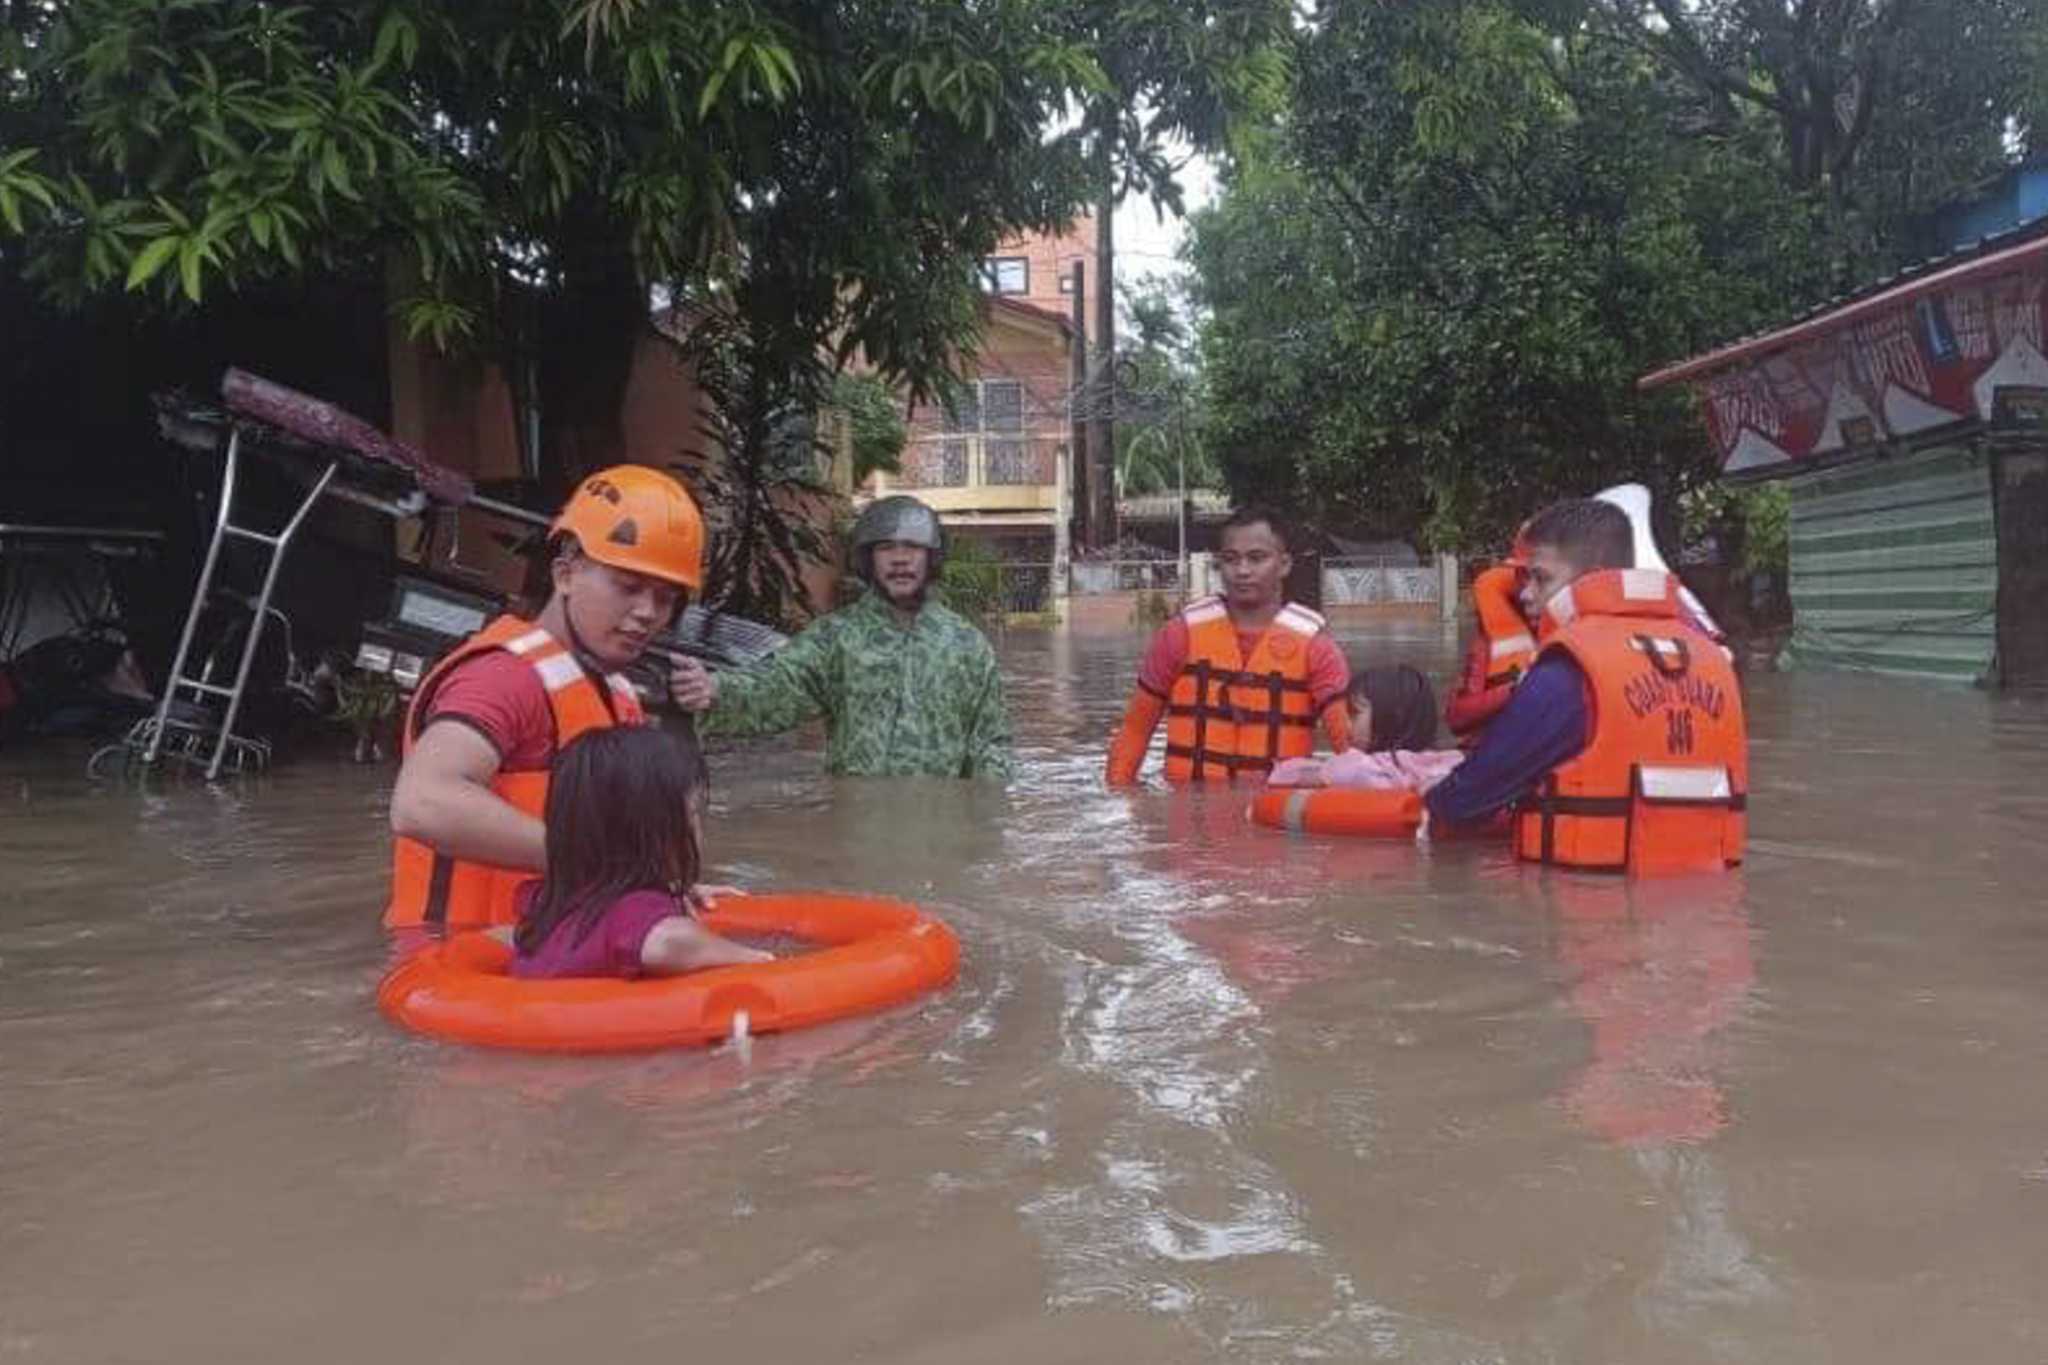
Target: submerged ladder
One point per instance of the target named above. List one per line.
(184, 737)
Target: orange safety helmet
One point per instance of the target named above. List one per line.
(638, 519)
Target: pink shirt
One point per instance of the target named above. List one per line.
(1328, 675)
(1399, 769)
(611, 947)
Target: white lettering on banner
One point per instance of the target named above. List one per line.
(2016, 309)
(1736, 401)
(1970, 318)
(1885, 352)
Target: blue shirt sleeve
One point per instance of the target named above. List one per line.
(1543, 724)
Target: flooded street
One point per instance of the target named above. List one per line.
(1203, 1092)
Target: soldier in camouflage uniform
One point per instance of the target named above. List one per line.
(905, 686)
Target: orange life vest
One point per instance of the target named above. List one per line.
(1501, 653)
(1228, 714)
(1662, 784)
(432, 888)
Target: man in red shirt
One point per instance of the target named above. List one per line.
(1242, 678)
(485, 724)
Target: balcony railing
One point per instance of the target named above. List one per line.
(977, 461)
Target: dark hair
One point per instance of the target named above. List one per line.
(1589, 533)
(1256, 515)
(619, 821)
(1403, 707)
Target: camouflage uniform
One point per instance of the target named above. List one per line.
(897, 701)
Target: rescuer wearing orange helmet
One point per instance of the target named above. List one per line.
(484, 726)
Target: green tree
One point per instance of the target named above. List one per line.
(1882, 108)
(1159, 394)
(1177, 74)
(1430, 296)
(523, 172)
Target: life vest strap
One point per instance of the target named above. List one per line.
(1234, 714)
(1234, 763)
(1550, 807)
(1232, 677)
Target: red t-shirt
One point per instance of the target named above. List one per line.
(1329, 677)
(610, 947)
(498, 695)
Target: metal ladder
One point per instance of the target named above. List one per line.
(183, 739)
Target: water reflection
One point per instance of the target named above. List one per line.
(1656, 969)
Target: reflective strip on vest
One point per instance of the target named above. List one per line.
(1514, 644)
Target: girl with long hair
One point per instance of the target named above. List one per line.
(1393, 738)
(623, 847)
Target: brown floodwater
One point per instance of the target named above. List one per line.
(1203, 1091)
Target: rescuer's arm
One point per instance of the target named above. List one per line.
(1127, 747)
(443, 798)
(1543, 725)
(779, 693)
(988, 727)
(1337, 725)
(1329, 681)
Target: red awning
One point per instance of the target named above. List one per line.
(1754, 348)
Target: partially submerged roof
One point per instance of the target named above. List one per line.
(1936, 345)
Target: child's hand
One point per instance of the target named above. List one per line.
(702, 894)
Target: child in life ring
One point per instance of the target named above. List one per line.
(623, 848)
(1393, 736)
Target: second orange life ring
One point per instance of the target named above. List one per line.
(874, 953)
(1361, 812)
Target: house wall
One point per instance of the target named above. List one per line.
(1054, 257)
(461, 414)
(1894, 565)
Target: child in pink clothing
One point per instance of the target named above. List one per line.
(623, 854)
(1393, 736)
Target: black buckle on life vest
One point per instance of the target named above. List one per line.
(1673, 662)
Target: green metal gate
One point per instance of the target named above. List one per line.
(1895, 565)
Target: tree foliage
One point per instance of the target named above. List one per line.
(1881, 107)
(1430, 294)
(1159, 396)
(823, 179)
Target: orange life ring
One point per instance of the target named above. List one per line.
(874, 953)
(1362, 812)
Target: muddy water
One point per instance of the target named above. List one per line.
(1203, 1092)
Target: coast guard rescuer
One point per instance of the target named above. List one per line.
(1623, 747)
(1242, 679)
(485, 725)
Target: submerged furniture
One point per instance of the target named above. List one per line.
(331, 454)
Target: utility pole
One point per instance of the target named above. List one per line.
(1077, 426)
(1102, 401)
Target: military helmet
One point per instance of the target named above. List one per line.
(900, 518)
